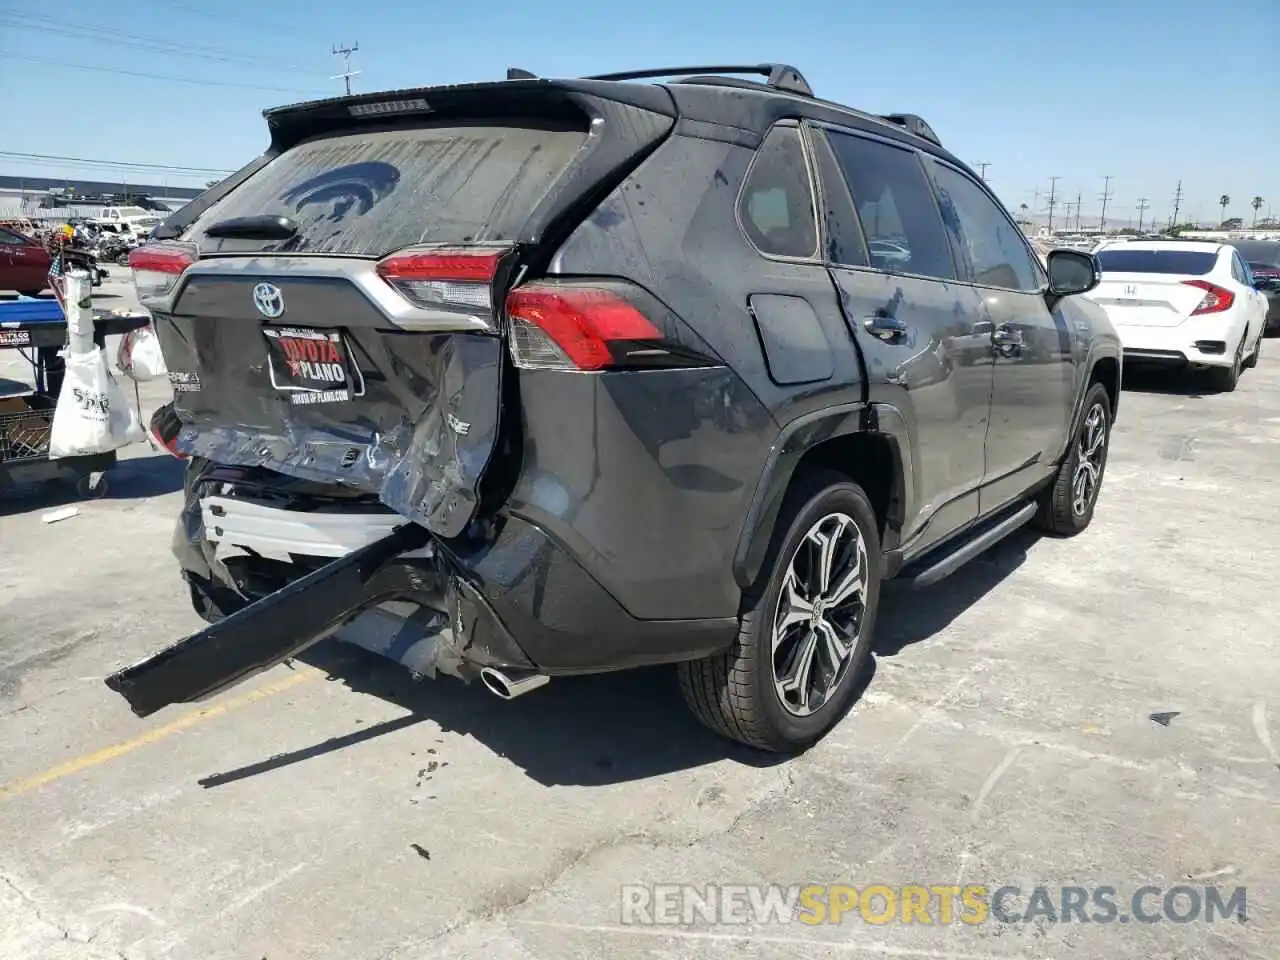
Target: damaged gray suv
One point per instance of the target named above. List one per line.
(531, 378)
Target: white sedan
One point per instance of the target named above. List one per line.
(1183, 303)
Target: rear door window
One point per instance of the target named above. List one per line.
(371, 193)
(1194, 263)
(997, 254)
(777, 207)
(894, 201)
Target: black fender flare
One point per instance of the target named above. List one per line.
(796, 439)
(1103, 350)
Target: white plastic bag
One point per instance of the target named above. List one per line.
(93, 414)
(139, 356)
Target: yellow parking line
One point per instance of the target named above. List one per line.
(99, 757)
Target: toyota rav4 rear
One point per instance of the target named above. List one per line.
(403, 422)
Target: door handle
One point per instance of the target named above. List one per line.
(885, 327)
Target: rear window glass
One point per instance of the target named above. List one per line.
(1193, 262)
(368, 194)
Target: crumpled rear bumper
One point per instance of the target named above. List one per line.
(517, 600)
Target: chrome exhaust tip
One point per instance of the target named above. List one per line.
(508, 686)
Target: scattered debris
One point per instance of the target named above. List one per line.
(421, 851)
(66, 513)
(1227, 871)
(1164, 718)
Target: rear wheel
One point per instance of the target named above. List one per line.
(805, 631)
(1256, 354)
(1066, 506)
(1225, 379)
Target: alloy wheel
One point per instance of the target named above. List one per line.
(820, 614)
(1091, 447)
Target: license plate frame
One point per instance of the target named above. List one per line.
(312, 365)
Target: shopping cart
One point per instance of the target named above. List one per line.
(37, 330)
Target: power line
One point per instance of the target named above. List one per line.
(151, 44)
(1177, 204)
(1106, 195)
(1142, 209)
(63, 64)
(44, 157)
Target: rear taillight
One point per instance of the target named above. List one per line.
(1215, 299)
(165, 426)
(452, 279)
(590, 327)
(156, 268)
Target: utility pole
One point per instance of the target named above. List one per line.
(1053, 200)
(1177, 204)
(982, 169)
(1106, 195)
(345, 53)
(1079, 200)
(1142, 209)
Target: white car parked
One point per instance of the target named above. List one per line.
(1181, 302)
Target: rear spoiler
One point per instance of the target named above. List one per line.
(624, 122)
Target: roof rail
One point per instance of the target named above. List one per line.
(913, 124)
(780, 76)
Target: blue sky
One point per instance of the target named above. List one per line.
(1149, 91)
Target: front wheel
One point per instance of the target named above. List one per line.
(805, 631)
(1066, 506)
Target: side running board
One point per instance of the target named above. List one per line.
(933, 568)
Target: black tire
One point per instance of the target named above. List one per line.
(1225, 379)
(734, 693)
(90, 491)
(1059, 512)
(1254, 357)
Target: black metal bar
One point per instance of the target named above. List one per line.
(265, 632)
(779, 75)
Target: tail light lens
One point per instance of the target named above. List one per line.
(1215, 300)
(157, 267)
(165, 426)
(458, 279)
(590, 327)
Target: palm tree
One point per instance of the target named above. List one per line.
(1024, 209)
(1256, 203)
(1222, 202)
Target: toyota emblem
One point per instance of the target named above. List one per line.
(269, 300)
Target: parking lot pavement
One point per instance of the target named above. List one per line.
(336, 809)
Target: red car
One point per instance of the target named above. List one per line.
(24, 263)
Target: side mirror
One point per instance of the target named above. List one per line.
(1072, 272)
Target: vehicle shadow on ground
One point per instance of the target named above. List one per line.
(1178, 383)
(133, 479)
(618, 727)
(575, 731)
(910, 616)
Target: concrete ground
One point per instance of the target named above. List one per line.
(339, 810)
